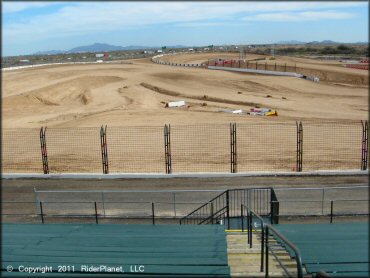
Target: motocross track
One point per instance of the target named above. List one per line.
(121, 94)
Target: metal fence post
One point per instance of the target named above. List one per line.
(42, 213)
(364, 152)
(228, 209)
(322, 201)
(233, 150)
(44, 153)
(211, 213)
(96, 213)
(174, 203)
(104, 149)
(242, 216)
(103, 202)
(267, 252)
(299, 154)
(153, 214)
(331, 211)
(251, 227)
(262, 245)
(167, 149)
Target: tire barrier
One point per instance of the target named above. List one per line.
(156, 59)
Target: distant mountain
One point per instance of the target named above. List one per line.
(96, 47)
(102, 47)
(324, 42)
(290, 42)
(49, 52)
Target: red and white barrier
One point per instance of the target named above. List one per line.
(361, 66)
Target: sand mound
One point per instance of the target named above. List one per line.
(134, 94)
(66, 93)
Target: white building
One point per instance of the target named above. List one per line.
(99, 55)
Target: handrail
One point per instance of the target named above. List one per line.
(231, 198)
(199, 208)
(250, 215)
(298, 257)
(212, 216)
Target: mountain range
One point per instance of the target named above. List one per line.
(101, 47)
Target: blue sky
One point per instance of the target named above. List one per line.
(28, 27)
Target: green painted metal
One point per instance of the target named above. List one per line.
(164, 251)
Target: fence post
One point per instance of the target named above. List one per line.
(267, 252)
(274, 207)
(251, 227)
(262, 245)
(96, 213)
(212, 213)
(331, 211)
(153, 215)
(228, 209)
(103, 202)
(104, 149)
(44, 153)
(42, 213)
(174, 203)
(256, 64)
(233, 153)
(285, 67)
(242, 216)
(167, 149)
(299, 147)
(365, 134)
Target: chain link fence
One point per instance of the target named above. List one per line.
(273, 146)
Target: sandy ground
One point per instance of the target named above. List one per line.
(135, 94)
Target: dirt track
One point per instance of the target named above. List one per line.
(91, 95)
(23, 189)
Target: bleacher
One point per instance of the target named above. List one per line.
(339, 249)
(162, 250)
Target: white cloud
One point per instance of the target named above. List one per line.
(94, 17)
(13, 7)
(300, 16)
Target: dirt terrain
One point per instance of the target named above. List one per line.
(135, 94)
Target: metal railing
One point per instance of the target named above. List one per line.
(250, 215)
(200, 214)
(230, 201)
(88, 210)
(266, 231)
(271, 230)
